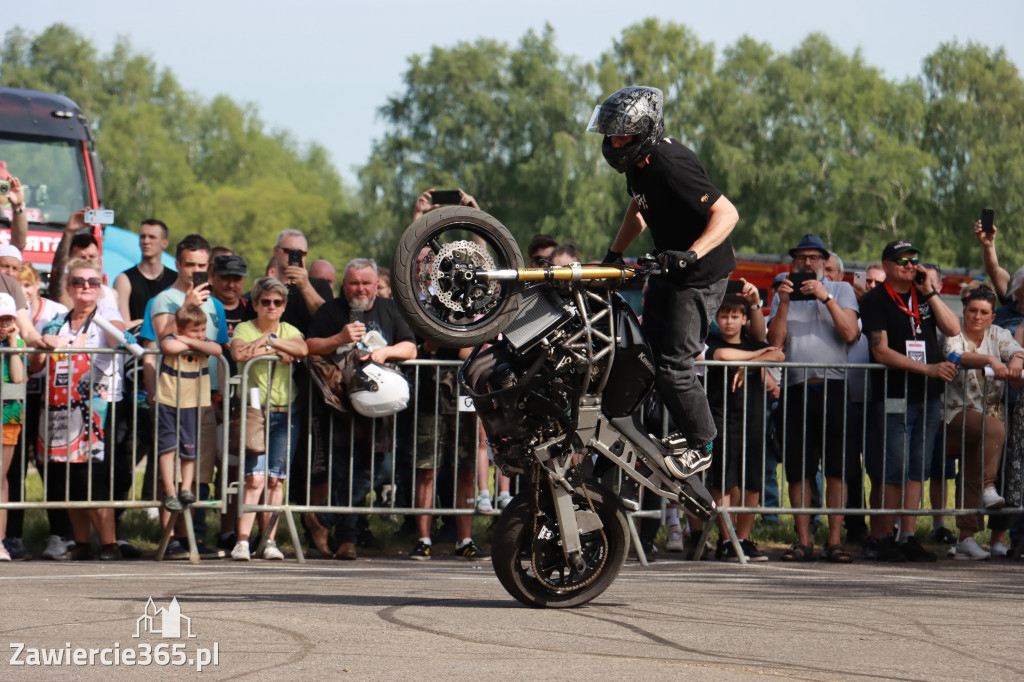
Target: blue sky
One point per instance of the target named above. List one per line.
(321, 69)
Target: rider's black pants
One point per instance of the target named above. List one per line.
(675, 322)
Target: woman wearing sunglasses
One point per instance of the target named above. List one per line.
(268, 335)
(79, 389)
(975, 410)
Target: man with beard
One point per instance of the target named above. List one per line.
(814, 320)
(355, 316)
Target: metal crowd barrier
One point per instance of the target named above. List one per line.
(329, 455)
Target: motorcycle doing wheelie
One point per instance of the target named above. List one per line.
(559, 394)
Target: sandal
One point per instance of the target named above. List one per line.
(798, 552)
(837, 554)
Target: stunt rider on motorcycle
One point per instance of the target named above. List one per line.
(690, 221)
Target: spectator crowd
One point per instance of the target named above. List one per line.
(86, 414)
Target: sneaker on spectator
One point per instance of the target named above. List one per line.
(943, 535)
(503, 499)
(997, 549)
(471, 552)
(871, 548)
(968, 549)
(913, 550)
(271, 552)
(724, 551)
(751, 551)
(16, 548)
(241, 551)
(674, 539)
(55, 547)
(693, 544)
(990, 499)
(226, 541)
(110, 552)
(176, 550)
(890, 552)
(421, 552)
(483, 504)
(128, 551)
(4, 554)
(172, 504)
(209, 552)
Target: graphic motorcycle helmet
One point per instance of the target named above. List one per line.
(378, 391)
(638, 111)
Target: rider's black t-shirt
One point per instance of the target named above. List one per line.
(674, 194)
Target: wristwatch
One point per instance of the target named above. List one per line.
(17, 209)
(931, 293)
(828, 298)
(270, 341)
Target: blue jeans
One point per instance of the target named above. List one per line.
(905, 452)
(351, 477)
(281, 445)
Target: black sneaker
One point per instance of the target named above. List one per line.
(751, 551)
(687, 462)
(889, 551)
(692, 544)
(176, 550)
(16, 548)
(421, 552)
(186, 497)
(226, 541)
(943, 535)
(470, 552)
(913, 551)
(128, 551)
(724, 551)
(871, 548)
(210, 552)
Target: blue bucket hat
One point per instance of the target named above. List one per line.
(810, 241)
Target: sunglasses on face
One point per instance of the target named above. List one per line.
(271, 302)
(811, 257)
(976, 294)
(906, 260)
(82, 282)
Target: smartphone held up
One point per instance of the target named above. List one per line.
(987, 220)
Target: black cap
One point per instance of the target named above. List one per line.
(229, 265)
(895, 249)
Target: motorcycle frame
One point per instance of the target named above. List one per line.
(596, 431)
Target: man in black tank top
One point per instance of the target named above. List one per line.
(137, 285)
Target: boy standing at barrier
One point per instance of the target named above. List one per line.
(184, 388)
(733, 394)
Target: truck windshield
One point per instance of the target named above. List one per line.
(53, 175)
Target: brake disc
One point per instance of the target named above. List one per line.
(452, 277)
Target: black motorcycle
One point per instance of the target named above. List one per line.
(559, 393)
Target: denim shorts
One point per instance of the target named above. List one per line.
(905, 446)
(281, 446)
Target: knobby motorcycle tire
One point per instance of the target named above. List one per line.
(433, 225)
(513, 541)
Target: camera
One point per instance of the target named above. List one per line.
(5, 187)
(294, 257)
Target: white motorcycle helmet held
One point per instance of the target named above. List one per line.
(378, 391)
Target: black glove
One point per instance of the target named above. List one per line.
(675, 261)
(613, 258)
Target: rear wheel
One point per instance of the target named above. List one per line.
(528, 559)
(434, 278)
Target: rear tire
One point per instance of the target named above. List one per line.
(454, 313)
(515, 549)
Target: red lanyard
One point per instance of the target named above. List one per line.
(912, 311)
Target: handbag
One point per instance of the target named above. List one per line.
(255, 429)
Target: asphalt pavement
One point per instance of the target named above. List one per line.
(387, 619)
